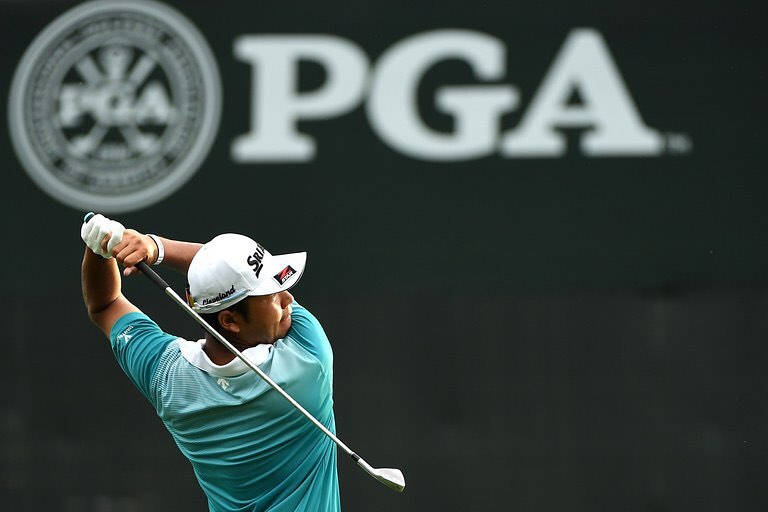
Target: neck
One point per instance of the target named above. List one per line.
(218, 353)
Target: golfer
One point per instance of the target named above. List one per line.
(250, 449)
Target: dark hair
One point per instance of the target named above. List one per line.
(213, 318)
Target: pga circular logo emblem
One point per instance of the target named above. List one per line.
(115, 105)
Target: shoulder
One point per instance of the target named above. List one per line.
(139, 344)
(135, 333)
(304, 323)
(130, 324)
(307, 332)
(302, 314)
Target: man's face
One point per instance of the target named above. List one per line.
(268, 320)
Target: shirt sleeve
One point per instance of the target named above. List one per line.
(138, 343)
(308, 333)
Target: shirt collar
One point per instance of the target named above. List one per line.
(194, 353)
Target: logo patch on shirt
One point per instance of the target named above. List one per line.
(124, 336)
(284, 274)
(223, 383)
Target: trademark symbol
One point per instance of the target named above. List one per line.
(678, 143)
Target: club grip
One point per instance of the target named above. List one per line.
(152, 275)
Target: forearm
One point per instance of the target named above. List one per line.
(100, 281)
(178, 254)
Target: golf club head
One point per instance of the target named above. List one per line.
(392, 478)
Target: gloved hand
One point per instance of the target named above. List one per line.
(97, 229)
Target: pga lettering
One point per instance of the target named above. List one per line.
(389, 89)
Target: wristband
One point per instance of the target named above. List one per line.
(160, 249)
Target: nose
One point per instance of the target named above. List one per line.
(286, 299)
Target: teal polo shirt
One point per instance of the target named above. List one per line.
(249, 448)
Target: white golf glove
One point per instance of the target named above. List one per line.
(94, 231)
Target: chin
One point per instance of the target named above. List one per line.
(285, 326)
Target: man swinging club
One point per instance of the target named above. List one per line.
(250, 448)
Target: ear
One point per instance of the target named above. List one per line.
(229, 321)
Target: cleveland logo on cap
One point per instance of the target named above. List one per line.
(219, 297)
(284, 274)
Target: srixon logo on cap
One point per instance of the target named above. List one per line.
(284, 274)
(255, 259)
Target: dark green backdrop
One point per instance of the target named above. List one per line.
(571, 333)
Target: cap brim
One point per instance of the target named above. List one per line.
(281, 273)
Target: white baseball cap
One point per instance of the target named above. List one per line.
(231, 267)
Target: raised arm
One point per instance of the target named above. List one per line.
(108, 243)
(99, 273)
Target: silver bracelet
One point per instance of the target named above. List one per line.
(160, 249)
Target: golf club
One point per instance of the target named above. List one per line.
(392, 478)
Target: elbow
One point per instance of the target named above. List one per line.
(94, 309)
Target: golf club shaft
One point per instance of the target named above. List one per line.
(392, 478)
(160, 282)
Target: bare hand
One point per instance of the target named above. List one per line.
(134, 248)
